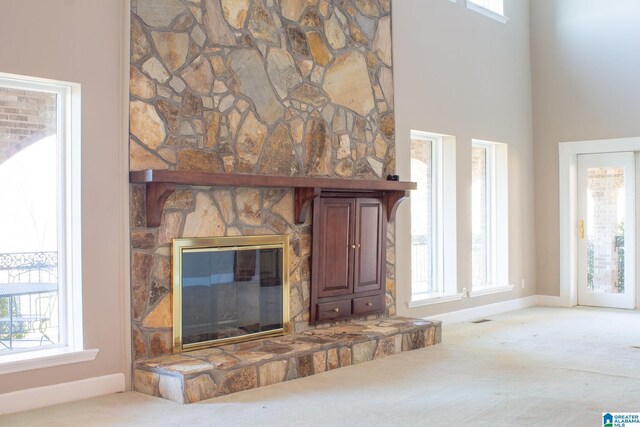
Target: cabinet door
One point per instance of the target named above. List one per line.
(369, 245)
(334, 231)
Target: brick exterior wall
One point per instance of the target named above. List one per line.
(25, 117)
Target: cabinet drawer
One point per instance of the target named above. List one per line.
(334, 310)
(366, 305)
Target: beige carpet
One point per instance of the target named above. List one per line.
(538, 366)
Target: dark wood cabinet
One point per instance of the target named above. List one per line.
(348, 262)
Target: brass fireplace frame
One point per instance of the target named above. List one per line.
(213, 244)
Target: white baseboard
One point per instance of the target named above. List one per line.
(499, 307)
(551, 301)
(38, 397)
(485, 310)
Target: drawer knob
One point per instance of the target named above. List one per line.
(336, 309)
(369, 304)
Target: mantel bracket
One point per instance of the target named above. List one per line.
(303, 198)
(392, 200)
(157, 195)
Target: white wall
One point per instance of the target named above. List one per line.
(84, 41)
(586, 85)
(459, 73)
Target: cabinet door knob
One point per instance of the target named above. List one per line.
(353, 246)
(358, 245)
(336, 309)
(369, 304)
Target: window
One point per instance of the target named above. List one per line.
(491, 8)
(495, 6)
(489, 220)
(432, 216)
(40, 299)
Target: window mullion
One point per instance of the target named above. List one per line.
(441, 220)
(491, 218)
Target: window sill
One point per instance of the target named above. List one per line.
(486, 12)
(435, 299)
(27, 361)
(489, 291)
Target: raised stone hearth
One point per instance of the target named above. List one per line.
(203, 374)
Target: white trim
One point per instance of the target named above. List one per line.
(450, 214)
(436, 299)
(125, 313)
(551, 301)
(485, 310)
(73, 218)
(26, 361)
(40, 397)
(491, 290)
(568, 204)
(637, 222)
(486, 12)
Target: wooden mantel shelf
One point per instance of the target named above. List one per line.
(160, 184)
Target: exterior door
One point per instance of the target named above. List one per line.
(606, 230)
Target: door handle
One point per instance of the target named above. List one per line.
(581, 229)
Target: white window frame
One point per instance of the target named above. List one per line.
(443, 202)
(497, 191)
(482, 7)
(70, 349)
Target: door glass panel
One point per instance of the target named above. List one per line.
(605, 229)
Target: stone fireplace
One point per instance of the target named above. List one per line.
(224, 89)
(286, 87)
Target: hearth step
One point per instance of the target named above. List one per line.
(203, 374)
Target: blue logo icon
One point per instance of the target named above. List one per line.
(607, 420)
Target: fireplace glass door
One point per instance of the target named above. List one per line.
(234, 290)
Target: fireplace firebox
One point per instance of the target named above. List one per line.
(229, 290)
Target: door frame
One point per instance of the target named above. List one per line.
(568, 207)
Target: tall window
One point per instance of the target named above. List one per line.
(489, 210)
(496, 6)
(39, 217)
(432, 215)
(491, 8)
